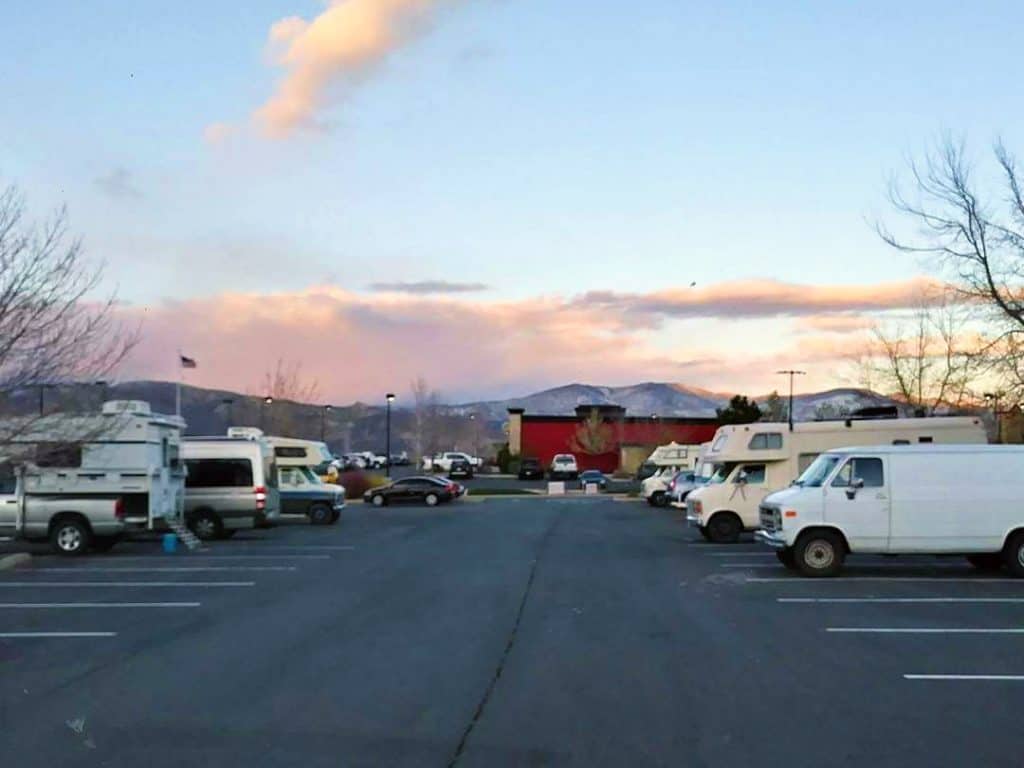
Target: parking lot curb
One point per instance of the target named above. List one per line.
(17, 560)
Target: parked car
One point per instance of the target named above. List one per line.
(680, 486)
(531, 469)
(564, 466)
(417, 489)
(303, 493)
(231, 484)
(400, 459)
(442, 462)
(595, 477)
(460, 468)
(901, 499)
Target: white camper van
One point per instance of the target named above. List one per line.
(920, 499)
(61, 475)
(753, 460)
(668, 460)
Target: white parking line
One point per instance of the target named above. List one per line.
(884, 566)
(847, 579)
(899, 599)
(740, 554)
(1014, 678)
(928, 630)
(151, 558)
(99, 605)
(253, 547)
(183, 569)
(30, 584)
(12, 635)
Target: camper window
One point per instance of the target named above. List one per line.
(766, 441)
(8, 480)
(58, 454)
(290, 451)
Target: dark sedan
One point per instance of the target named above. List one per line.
(594, 477)
(413, 490)
(531, 469)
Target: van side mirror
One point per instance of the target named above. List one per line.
(855, 485)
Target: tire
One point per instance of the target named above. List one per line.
(819, 554)
(206, 526)
(986, 561)
(657, 499)
(704, 532)
(320, 514)
(70, 536)
(1013, 554)
(431, 499)
(724, 528)
(787, 558)
(378, 500)
(104, 543)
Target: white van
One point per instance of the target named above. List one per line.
(231, 484)
(753, 460)
(921, 499)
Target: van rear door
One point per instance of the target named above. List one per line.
(858, 502)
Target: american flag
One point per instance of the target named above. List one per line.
(187, 362)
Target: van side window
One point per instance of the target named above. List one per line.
(755, 473)
(218, 473)
(924, 440)
(901, 442)
(868, 470)
(766, 441)
(290, 451)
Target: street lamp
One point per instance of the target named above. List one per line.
(791, 374)
(229, 403)
(323, 422)
(267, 401)
(476, 434)
(994, 398)
(390, 397)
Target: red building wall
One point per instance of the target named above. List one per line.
(544, 436)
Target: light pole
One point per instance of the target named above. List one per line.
(323, 422)
(791, 373)
(103, 391)
(994, 398)
(229, 402)
(390, 397)
(476, 434)
(267, 402)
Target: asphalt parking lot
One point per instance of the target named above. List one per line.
(504, 633)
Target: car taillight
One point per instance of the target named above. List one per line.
(261, 496)
(672, 485)
(119, 509)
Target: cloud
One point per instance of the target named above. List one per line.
(118, 185)
(423, 287)
(762, 298)
(323, 57)
(359, 345)
(218, 133)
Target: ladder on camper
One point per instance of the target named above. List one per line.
(183, 533)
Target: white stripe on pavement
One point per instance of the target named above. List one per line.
(1014, 678)
(899, 599)
(740, 554)
(879, 566)
(99, 605)
(928, 630)
(12, 635)
(847, 579)
(31, 584)
(151, 558)
(183, 569)
(252, 547)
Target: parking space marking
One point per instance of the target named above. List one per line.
(97, 605)
(151, 558)
(899, 599)
(928, 630)
(847, 579)
(253, 546)
(885, 566)
(740, 554)
(180, 569)
(31, 584)
(15, 635)
(1013, 678)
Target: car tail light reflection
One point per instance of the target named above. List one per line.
(119, 509)
(261, 496)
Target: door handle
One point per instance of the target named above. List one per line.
(880, 496)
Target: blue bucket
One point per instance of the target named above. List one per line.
(170, 543)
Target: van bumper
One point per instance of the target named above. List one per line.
(693, 520)
(775, 540)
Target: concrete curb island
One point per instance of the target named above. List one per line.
(17, 560)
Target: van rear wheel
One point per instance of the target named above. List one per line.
(819, 553)
(986, 561)
(1013, 554)
(724, 528)
(206, 526)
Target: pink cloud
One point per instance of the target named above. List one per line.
(358, 346)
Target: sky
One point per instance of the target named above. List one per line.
(496, 195)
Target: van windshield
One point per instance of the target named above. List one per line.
(722, 472)
(815, 475)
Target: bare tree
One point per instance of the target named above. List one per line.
(774, 408)
(53, 330)
(425, 418)
(976, 241)
(933, 360)
(287, 388)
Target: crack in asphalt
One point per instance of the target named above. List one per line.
(478, 714)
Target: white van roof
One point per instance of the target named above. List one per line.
(926, 448)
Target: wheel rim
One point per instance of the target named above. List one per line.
(1020, 555)
(820, 554)
(320, 514)
(205, 527)
(69, 538)
(431, 500)
(378, 501)
(723, 527)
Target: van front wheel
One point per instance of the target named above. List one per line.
(1013, 555)
(819, 553)
(724, 528)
